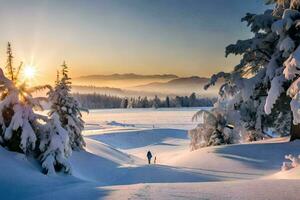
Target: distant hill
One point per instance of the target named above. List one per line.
(121, 80)
(143, 85)
(127, 76)
(181, 86)
(181, 82)
(178, 82)
(99, 90)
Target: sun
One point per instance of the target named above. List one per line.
(29, 72)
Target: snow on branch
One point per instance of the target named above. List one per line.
(274, 93)
(292, 65)
(213, 80)
(259, 22)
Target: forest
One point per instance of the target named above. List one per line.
(99, 101)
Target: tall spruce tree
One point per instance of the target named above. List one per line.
(68, 109)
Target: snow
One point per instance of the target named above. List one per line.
(114, 123)
(293, 162)
(159, 118)
(114, 164)
(292, 64)
(287, 45)
(258, 189)
(274, 93)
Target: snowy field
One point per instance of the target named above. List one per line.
(144, 118)
(114, 164)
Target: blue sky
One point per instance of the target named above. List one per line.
(185, 37)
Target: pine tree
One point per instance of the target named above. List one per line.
(131, 103)
(55, 147)
(167, 102)
(68, 110)
(272, 57)
(192, 100)
(17, 119)
(247, 92)
(287, 58)
(124, 103)
(213, 130)
(145, 102)
(156, 102)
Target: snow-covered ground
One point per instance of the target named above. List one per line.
(114, 165)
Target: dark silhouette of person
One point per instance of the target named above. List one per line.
(149, 156)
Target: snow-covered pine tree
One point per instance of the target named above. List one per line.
(17, 119)
(131, 103)
(124, 103)
(243, 94)
(68, 109)
(212, 130)
(17, 133)
(287, 57)
(279, 65)
(256, 86)
(54, 147)
(156, 102)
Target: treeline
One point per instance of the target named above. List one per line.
(98, 101)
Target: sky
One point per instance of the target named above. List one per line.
(183, 37)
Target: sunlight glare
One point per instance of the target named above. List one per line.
(29, 72)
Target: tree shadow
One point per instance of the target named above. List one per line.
(262, 156)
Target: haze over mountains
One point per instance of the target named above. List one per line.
(127, 76)
(122, 80)
(142, 85)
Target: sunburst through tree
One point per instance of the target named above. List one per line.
(22, 129)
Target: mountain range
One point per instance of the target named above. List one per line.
(178, 82)
(143, 85)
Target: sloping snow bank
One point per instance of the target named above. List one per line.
(105, 165)
(100, 165)
(21, 178)
(254, 159)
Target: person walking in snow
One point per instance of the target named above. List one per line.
(149, 156)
